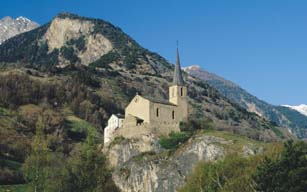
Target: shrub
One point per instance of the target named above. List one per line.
(196, 124)
(174, 140)
(231, 174)
(79, 43)
(69, 54)
(105, 60)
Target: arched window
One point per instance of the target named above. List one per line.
(173, 114)
(157, 112)
(181, 91)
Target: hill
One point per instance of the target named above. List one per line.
(282, 116)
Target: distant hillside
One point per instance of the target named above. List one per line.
(10, 27)
(281, 115)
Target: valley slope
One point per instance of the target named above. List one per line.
(283, 116)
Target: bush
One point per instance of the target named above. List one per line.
(230, 174)
(105, 60)
(79, 43)
(69, 54)
(174, 140)
(196, 124)
(286, 173)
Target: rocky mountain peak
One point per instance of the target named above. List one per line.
(192, 68)
(300, 108)
(7, 19)
(9, 27)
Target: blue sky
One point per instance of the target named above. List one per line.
(260, 45)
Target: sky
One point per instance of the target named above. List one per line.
(259, 44)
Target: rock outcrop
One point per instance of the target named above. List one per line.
(63, 30)
(142, 165)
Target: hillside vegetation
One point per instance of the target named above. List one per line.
(279, 168)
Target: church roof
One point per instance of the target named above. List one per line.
(160, 101)
(178, 80)
(119, 115)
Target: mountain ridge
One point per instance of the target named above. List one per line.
(10, 27)
(300, 108)
(282, 116)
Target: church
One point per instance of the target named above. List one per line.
(144, 115)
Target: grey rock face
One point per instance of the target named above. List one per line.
(161, 171)
(10, 27)
(122, 152)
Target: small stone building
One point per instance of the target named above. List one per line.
(145, 115)
(114, 123)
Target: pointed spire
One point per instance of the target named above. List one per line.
(178, 80)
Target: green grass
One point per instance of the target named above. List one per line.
(230, 136)
(238, 140)
(78, 125)
(174, 140)
(79, 128)
(14, 188)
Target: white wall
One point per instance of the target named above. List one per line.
(113, 123)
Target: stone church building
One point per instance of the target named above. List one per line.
(144, 116)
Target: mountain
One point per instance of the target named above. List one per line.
(284, 117)
(300, 108)
(75, 72)
(71, 45)
(10, 27)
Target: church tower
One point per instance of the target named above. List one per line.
(178, 91)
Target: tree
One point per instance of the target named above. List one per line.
(47, 170)
(286, 173)
(88, 169)
(33, 167)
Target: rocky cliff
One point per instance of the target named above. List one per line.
(63, 31)
(141, 164)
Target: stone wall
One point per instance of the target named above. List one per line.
(146, 129)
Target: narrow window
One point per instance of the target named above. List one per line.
(173, 114)
(181, 91)
(157, 112)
